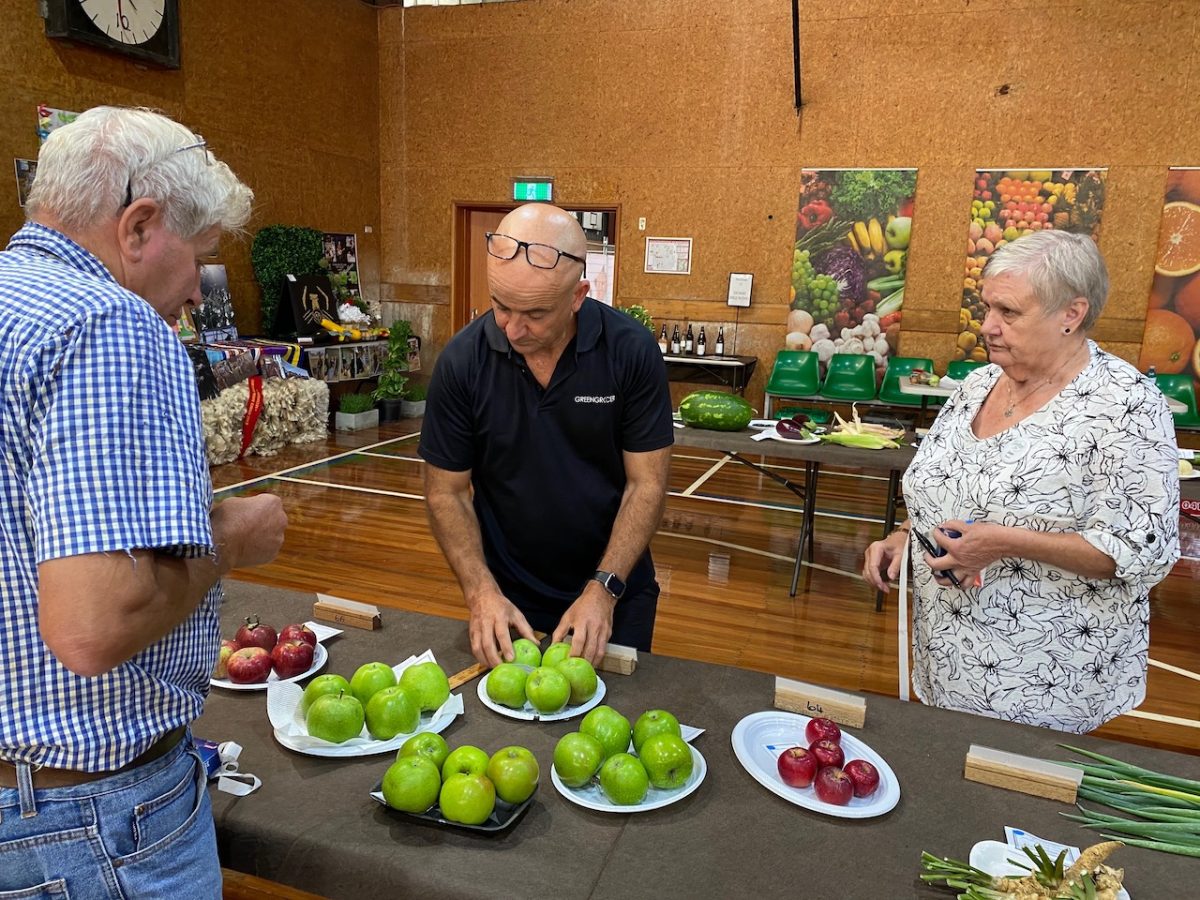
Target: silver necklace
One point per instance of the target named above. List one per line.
(1013, 401)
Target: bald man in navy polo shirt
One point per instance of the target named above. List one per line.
(547, 440)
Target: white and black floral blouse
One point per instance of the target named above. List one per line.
(1036, 643)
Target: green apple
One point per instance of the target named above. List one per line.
(582, 677)
(651, 722)
(322, 685)
(667, 759)
(547, 689)
(468, 799)
(390, 712)
(506, 685)
(526, 653)
(428, 683)
(411, 784)
(577, 758)
(465, 760)
(427, 744)
(609, 727)
(369, 678)
(624, 780)
(898, 232)
(335, 718)
(514, 771)
(556, 653)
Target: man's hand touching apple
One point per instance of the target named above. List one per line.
(589, 621)
(493, 618)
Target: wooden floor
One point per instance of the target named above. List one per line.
(724, 555)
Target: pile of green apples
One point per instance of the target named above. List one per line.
(336, 710)
(464, 783)
(600, 750)
(550, 682)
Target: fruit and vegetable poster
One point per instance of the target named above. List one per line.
(849, 260)
(1009, 204)
(1171, 341)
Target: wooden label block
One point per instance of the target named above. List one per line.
(618, 659)
(346, 612)
(1026, 774)
(811, 700)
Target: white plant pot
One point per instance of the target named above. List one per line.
(357, 421)
(412, 409)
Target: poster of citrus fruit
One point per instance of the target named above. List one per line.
(1171, 341)
(1009, 204)
(853, 228)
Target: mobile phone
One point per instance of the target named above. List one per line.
(937, 551)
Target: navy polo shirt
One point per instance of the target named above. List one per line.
(546, 465)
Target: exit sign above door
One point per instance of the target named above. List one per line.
(528, 188)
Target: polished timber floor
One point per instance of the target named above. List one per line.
(724, 552)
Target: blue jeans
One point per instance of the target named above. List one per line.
(145, 833)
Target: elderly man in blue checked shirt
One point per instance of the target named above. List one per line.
(110, 549)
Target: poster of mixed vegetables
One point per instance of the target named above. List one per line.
(1009, 204)
(849, 260)
(1171, 341)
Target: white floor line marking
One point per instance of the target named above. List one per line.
(352, 487)
(836, 474)
(767, 553)
(315, 462)
(713, 470)
(1178, 671)
(394, 456)
(870, 520)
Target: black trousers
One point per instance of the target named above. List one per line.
(633, 618)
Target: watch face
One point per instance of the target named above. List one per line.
(126, 21)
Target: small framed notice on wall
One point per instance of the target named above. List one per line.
(669, 256)
(740, 285)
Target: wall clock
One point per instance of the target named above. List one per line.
(147, 30)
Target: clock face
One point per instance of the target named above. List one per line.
(126, 21)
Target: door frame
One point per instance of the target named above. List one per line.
(460, 303)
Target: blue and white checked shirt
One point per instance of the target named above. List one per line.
(101, 450)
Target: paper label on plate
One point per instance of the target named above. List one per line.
(1018, 839)
(283, 709)
(323, 632)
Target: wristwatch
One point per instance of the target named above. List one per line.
(611, 582)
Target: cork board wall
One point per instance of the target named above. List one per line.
(291, 102)
(682, 112)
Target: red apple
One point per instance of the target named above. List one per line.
(828, 753)
(298, 632)
(255, 634)
(822, 730)
(864, 777)
(797, 767)
(832, 785)
(250, 665)
(228, 648)
(292, 658)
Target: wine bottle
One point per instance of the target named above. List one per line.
(662, 340)
(701, 343)
(720, 341)
(675, 341)
(689, 342)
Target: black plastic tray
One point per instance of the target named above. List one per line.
(503, 817)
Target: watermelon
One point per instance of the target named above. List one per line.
(716, 411)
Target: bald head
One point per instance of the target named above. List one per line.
(545, 224)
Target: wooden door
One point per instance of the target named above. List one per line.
(478, 297)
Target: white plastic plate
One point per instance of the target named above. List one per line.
(993, 857)
(529, 714)
(320, 657)
(592, 797)
(773, 435)
(759, 739)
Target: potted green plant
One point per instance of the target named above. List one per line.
(279, 251)
(412, 403)
(389, 391)
(355, 412)
(639, 312)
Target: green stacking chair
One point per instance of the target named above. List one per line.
(961, 368)
(820, 416)
(851, 376)
(1180, 387)
(901, 367)
(796, 374)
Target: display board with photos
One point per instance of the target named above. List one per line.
(341, 255)
(346, 362)
(213, 319)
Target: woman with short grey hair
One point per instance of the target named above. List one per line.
(1048, 487)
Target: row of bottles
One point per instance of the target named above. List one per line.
(688, 344)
